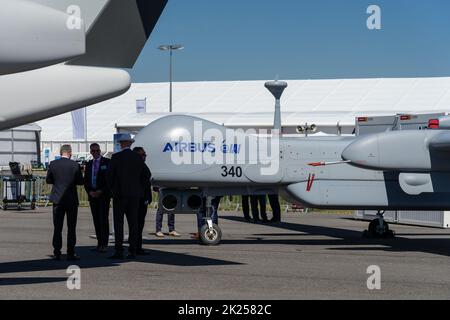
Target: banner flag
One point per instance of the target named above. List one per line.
(79, 124)
(141, 105)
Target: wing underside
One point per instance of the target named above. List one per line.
(117, 30)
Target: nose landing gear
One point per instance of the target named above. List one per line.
(379, 228)
(210, 233)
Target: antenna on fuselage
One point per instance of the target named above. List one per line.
(277, 88)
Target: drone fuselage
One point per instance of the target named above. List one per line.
(311, 171)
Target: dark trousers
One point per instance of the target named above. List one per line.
(246, 207)
(100, 215)
(160, 217)
(275, 205)
(142, 214)
(254, 201)
(129, 207)
(59, 211)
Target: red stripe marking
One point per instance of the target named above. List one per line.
(316, 164)
(310, 182)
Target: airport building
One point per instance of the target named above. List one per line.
(332, 105)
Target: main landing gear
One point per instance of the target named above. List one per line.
(379, 228)
(210, 233)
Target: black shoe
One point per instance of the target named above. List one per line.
(56, 257)
(116, 256)
(142, 253)
(275, 220)
(72, 257)
(131, 256)
(265, 220)
(255, 221)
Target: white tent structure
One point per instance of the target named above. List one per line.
(248, 104)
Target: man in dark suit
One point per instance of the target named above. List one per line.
(127, 177)
(64, 175)
(143, 203)
(99, 196)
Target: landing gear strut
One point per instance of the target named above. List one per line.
(379, 228)
(210, 233)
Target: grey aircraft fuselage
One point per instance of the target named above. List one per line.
(394, 170)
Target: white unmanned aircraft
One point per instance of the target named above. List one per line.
(193, 159)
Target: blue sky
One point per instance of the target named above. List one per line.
(298, 39)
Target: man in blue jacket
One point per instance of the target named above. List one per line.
(97, 189)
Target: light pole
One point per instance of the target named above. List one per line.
(171, 48)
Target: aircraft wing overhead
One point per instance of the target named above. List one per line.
(117, 29)
(90, 9)
(48, 68)
(129, 24)
(37, 37)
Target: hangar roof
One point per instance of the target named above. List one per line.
(248, 103)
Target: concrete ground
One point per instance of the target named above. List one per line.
(306, 257)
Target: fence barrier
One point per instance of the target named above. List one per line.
(228, 203)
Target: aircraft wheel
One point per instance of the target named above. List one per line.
(210, 237)
(377, 231)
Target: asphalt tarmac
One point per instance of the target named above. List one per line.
(313, 256)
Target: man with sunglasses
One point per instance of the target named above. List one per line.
(96, 187)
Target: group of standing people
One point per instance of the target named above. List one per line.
(126, 179)
(260, 214)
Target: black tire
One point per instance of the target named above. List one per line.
(210, 237)
(376, 232)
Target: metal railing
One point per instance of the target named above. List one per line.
(78, 147)
(228, 203)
